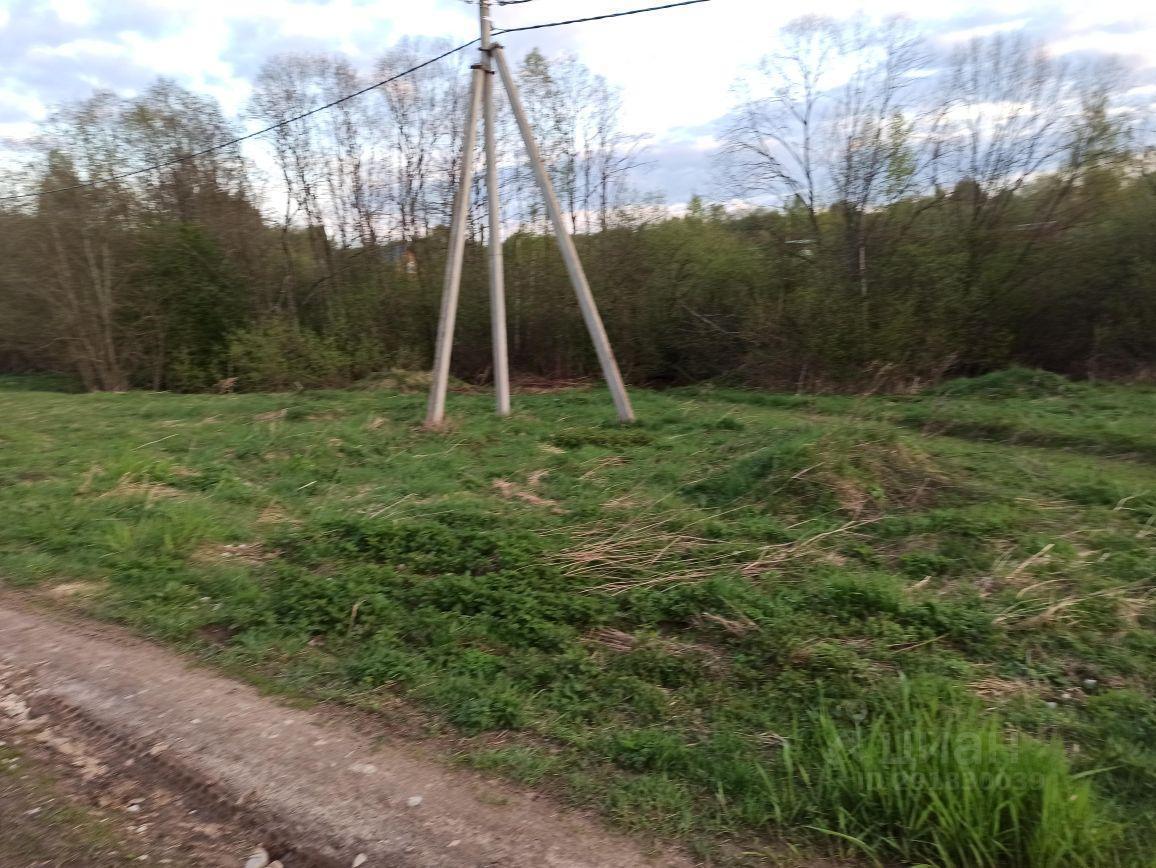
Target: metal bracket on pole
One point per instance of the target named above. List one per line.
(566, 245)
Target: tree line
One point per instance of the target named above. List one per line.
(905, 216)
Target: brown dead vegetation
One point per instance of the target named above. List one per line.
(621, 642)
(130, 486)
(662, 552)
(515, 491)
(71, 590)
(88, 478)
(614, 640)
(538, 385)
(249, 554)
(740, 626)
(1037, 606)
(888, 476)
(993, 688)
(274, 514)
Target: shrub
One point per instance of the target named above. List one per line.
(278, 356)
(475, 705)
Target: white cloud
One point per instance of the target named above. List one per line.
(18, 131)
(983, 31)
(18, 101)
(1134, 44)
(192, 55)
(78, 12)
(80, 48)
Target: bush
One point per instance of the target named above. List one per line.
(278, 356)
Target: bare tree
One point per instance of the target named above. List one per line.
(288, 86)
(874, 164)
(831, 122)
(78, 242)
(165, 126)
(1013, 113)
(423, 129)
(773, 146)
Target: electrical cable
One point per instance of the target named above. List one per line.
(596, 17)
(186, 157)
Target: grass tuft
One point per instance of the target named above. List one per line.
(927, 782)
(851, 471)
(1008, 383)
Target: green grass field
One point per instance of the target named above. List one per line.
(900, 630)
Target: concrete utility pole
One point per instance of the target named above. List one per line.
(482, 90)
(497, 275)
(453, 281)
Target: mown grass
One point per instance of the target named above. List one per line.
(772, 627)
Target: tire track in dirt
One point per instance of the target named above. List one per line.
(314, 789)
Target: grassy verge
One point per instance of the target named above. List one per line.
(1016, 407)
(748, 620)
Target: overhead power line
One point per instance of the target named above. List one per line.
(222, 145)
(596, 17)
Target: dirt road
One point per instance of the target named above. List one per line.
(313, 790)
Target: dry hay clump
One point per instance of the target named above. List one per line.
(870, 477)
(637, 552)
(663, 550)
(274, 514)
(527, 492)
(130, 485)
(75, 590)
(1049, 604)
(620, 642)
(993, 688)
(611, 639)
(860, 474)
(249, 554)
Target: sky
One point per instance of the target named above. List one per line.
(676, 69)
